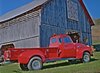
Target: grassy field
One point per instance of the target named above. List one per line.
(59, 67)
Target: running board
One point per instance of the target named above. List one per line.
(58, 59)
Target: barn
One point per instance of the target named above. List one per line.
(32, 25)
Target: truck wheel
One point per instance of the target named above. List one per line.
(23, 66)
(86, 57)
(35, 63)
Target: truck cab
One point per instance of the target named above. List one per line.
(57, 40)
(65, 44)
(67, 48)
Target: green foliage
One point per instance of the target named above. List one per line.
(59, 67)
(97, 21)
(96, 32)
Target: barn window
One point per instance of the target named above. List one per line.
(72, 10)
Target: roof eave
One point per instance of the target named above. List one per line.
(87, 14)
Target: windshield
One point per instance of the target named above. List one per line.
(65, 39)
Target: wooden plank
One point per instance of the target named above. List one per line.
(21, 30)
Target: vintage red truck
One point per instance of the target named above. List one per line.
(61, 48)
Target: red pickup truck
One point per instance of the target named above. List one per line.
(61, 48)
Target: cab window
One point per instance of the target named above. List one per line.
(67, 40)
(53, 40)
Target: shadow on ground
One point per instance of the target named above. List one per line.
(93, 59)
(65, 64)
(56, 65)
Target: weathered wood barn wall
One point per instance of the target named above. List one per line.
(22, 31)
(34, 28)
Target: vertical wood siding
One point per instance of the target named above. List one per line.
(46, 32)
(28, 43)
(54, 14)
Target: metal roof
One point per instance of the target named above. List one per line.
(21, 10)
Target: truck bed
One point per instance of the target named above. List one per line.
(13, 53)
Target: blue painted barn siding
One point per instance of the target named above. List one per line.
(85, 26)
(47, 31)
(52, 13)
(54, 19)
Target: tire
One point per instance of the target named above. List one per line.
(86, 57)
(35, 63)
(23, 67)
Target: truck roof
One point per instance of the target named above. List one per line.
(60, 35)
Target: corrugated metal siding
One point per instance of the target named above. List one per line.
(22, 33)
(54, 14)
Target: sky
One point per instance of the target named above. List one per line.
(8, 5)
(93, 6)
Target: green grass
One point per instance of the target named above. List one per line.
(59, 67)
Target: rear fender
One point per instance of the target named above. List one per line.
(27, 55)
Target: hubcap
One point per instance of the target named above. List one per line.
(86, 58)
(36, 64)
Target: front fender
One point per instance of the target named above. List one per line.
(80, 52)
(27, 55)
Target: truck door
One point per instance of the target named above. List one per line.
(52, 53)
(68, 48)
